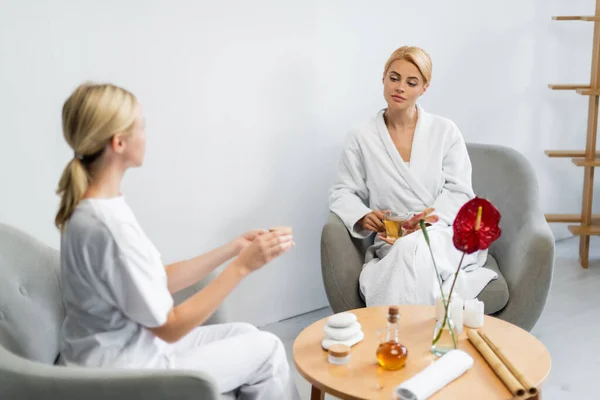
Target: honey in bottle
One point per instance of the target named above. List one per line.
(391, 354)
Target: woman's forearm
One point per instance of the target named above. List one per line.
(198, 308)
(185, 273)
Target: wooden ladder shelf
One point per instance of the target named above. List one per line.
(587, 224)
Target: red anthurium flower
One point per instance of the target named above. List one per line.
(476, 226)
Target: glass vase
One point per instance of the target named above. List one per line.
(445, 336)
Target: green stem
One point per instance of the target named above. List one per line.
(447, 304)
(426, 235)
(439, 335)
(456, 276)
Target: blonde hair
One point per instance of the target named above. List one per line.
(414, 55)
(91, 116)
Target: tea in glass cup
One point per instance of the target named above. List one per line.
(393, 224)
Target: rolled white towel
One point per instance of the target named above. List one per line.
(433, 378)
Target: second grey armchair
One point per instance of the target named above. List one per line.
(31, 315)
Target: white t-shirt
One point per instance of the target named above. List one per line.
(114, 286)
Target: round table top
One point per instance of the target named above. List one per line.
(363, 378)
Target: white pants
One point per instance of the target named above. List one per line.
(245, 363)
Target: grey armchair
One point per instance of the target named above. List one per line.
(523, 256)
(31, 314)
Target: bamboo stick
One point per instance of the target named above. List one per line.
(513, 385)
(532, 390)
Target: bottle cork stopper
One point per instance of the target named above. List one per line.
(393, 313)
(339, 350)
(284, 229)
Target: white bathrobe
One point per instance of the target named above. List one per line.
(373, 176)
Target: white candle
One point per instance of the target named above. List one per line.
(473, 314)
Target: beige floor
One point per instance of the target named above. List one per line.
(569, 327)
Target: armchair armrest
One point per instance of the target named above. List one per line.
(24, 379)
(525, 255)
(342, 258)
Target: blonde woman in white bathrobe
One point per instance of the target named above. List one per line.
(117, 292)
(406, 160)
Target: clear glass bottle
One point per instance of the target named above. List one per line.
(445, 336)
(391, 354)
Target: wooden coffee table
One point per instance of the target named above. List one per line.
(364, 379)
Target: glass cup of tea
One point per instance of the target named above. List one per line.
(393, 222)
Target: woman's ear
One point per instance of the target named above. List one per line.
(118, 143)
(425, 86)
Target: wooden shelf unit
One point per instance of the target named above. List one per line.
(594, 18)
(568, 153)
(581, 230)
(588, 159)
(589, 92)
(584, 162)
(570, 218)
(568, 87)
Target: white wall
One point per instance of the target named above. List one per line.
(247, 105)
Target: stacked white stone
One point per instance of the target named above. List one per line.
(342, 328)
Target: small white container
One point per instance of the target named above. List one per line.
(339, 354)
(473, 315)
